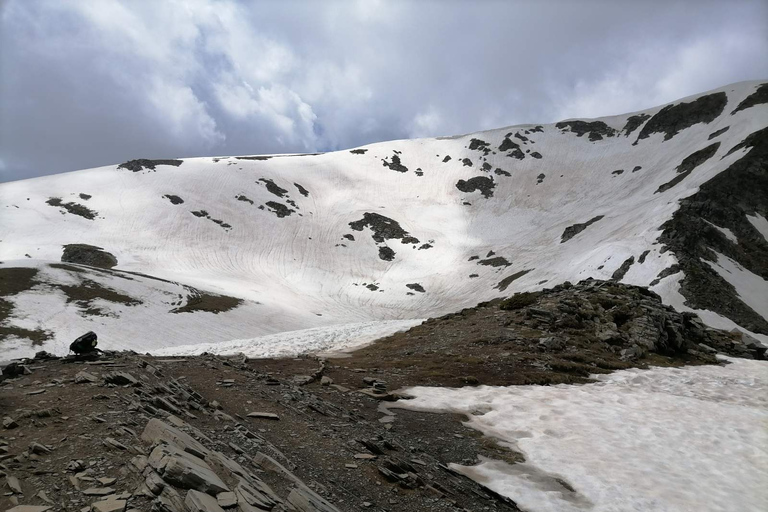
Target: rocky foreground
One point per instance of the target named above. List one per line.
(126, 431)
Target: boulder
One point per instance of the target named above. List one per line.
(186, 471)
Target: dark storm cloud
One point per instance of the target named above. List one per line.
(85, 83)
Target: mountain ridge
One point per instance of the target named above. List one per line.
(322, 240)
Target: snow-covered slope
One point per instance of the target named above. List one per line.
(392, 231)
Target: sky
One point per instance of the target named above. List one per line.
(87, 83)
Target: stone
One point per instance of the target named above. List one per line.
(28, 508)
(169, 501)
(199, 502)
(162, 403)
(157, 431)
(326, 381)
(154, 483)
(186, 471)
(226, 499)
(85, 378)
(121, 379)
(304, 499)
(259, 496)
(39, 449)
(264, 415)
(106, 481)
(114, 443)
(9, 423)
(109, 505)
(552, 343)
(13, 484)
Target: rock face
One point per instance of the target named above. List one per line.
(725, 201)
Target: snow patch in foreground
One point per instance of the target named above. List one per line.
(334, 338)
(663, 439)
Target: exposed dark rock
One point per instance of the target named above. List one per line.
(536, 155)
(174, 199)
(209, 302)
(669, 271)
(419, 172)
(90, 255)
(395, 164)
(718, 133)
(486, 166)
(260, 158)
(85, 197)
(383, 228)
(501, 172)
(416, 287)
(467, 162)
(620, 272)
(595, 129)
(617, 172)
(386, 253)
(498, 261)
(758, 97)
(349, 237)
(143, 163)
(642, 257)
(634, 122)
(672, 119)
(572, 231)
(446, 159)
(273, 187)
(425, 246)
(725, 201)
(200, 213)
(279, 209)
(243, 198)
(540, 178)
(483, 184)
(479, 145)
(521, 137)
(508, 144)
(504, 283)
(689, 164)
(301, 190)
(539, 129)
(636, 168)
(73, 208)
(358, 151)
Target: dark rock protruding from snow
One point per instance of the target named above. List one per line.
(395, 164)
(483, 184)
(174, 199)
(689, 164)
(504, 283)
(620, 272)
(758, 97)
(724, 201)
(84, 254)
(279, 209)
(383, 228)
(415, 287)
(143, 163)
(596, 129)
(572, 231)
(673, 119)
(273, 187)
(634, 122)
(358, 151)
(718, 133)
(301, 190)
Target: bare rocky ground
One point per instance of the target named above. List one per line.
(126, 431)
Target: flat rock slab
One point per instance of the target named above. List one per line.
(28, 508)
(226, 499)
(157, 431)
(109, 506)
(200, 502)
(264, 415)
(13, 484)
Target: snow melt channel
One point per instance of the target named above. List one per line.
(663, 439)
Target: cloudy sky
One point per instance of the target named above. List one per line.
(85, 83)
